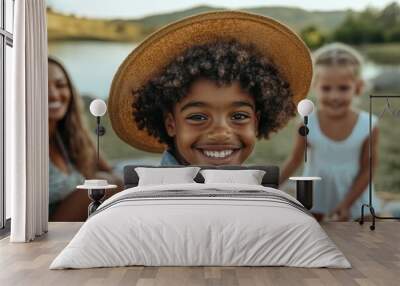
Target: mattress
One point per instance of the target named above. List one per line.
(201, 225)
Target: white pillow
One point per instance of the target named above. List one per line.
(248, 177)
(163, 176)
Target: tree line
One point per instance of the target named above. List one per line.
(369, 26)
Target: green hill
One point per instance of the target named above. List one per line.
(72, 27)
(296, 18)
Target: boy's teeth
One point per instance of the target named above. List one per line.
(218, 154)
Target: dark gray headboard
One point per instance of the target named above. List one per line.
(270, 179)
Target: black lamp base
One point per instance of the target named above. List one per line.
(96, 196)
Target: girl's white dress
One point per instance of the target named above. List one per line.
(337, 163)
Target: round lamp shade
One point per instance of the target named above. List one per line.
(305, 107)
(98, 107)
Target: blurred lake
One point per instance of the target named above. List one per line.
(92, 64)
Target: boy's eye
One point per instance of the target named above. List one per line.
(239, 116)
(326, 88)
(197, 117)
(343, 88)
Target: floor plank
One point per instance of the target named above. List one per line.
(374, 255)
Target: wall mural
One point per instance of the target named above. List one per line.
(229, 100)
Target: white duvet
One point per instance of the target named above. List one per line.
(183, 231)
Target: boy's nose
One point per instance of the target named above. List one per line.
(219, 136)
(221, 131)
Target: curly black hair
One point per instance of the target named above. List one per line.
(223, 62)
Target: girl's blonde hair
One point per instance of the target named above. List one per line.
(338, 54)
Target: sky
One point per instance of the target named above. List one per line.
(140, 8)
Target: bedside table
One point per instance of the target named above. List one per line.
(96, 190)
(304, 190)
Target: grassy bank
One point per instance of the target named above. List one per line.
(72, 27)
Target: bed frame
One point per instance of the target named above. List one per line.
(304, 189)
(270, 179)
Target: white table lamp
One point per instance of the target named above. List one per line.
(305, 107)
(98, 108)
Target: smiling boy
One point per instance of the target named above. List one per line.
(213, 125)
(229, 79)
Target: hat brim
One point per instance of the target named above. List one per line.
(271, 38)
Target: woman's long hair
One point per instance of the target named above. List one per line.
(80, 148)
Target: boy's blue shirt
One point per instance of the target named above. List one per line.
(168, 159)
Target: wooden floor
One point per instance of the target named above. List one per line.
(374, 255)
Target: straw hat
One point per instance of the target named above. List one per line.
(271, 38)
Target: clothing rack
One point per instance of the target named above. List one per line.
(370, 204)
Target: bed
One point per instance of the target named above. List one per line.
(201, 224)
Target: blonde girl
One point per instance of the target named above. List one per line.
(339, 136)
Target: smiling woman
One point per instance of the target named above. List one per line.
(71, 150)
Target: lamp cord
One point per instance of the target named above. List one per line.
(98, 141)
(305, 137)
(305, 148)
